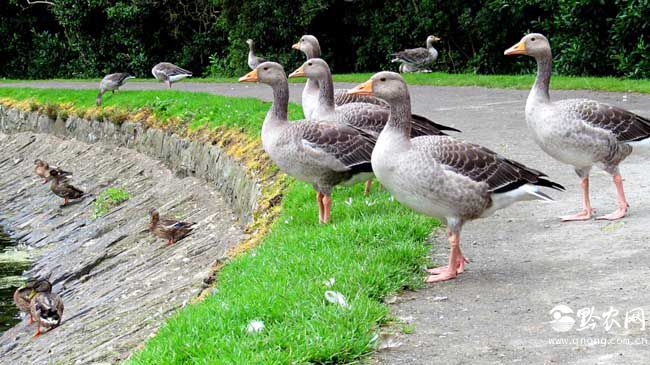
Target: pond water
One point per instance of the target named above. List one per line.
(12, 264)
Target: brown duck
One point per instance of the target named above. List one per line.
(42, 169)
(23, 295)
(62, 188)
(46, 309)
(169, 229)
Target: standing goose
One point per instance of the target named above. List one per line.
(418, 58)
(324, 154)
(111, 82)
(443, 177)
(253, 60)
(580, 132)
(169, 73)
(46, 308)
(309, 45)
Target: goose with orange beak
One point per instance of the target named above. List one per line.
(580, 132)
(443, 177)
(321, 153)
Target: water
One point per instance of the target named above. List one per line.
(12, 263)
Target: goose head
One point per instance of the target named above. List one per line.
(314, 69)
(386, 85)
(267, 73)
(250, 42)
(533, 44)
(308, 44)
(431, 39)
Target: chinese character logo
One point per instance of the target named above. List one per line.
(562, 322)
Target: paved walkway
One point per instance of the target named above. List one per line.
(524, 261)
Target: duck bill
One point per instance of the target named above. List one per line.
(519, 48)
(296, 46)
(249, 77)
(363, 89)
(32, 294)
(300, 72)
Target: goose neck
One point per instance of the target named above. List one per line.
(278, 111)
(326, 94)
(400, 117)
(541, 86)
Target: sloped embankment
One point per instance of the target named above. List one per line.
(117, 281)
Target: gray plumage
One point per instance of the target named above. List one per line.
(111, 82)
(253, 60)
(169, 73)
(417, 59)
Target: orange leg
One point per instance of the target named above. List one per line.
(455, 257)
(65, 201)
(587, 211)
(368, 186)
(321, 208)
(31, 320)
(38, 331)
(169, 84)
(622, 202)
(170, 241)
(327, 203)
(460, 262)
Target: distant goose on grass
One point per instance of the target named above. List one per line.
(419, 59)
(111, 82)
(580, 132)
(321, 153)
(169, 73)
(441, 176)
(308, 44)
(253, 60)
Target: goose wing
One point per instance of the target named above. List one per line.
(413, 55)
(483, 165)
(342, 97)
(350, 146)
(625, 125)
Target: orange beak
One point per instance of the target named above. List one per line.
(519, 48)
(363, 89)
(300, 72)
(296, 46)
(249, 77)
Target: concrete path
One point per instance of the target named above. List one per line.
(524, 261)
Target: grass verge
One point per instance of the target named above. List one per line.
(373, 248)
(445, 79)
(107, 199)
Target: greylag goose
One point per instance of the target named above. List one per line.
(253, 60)
(324, 154)
(169, 73)
(580, 132)
(111, 82)
(418, 58)
(443, 177)
(406, 68)
(370, 117)
(309, 45)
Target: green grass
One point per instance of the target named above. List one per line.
(373, 248)
(490, 81)
(195, 109)
(107, 199)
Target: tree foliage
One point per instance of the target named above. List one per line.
(88, 38)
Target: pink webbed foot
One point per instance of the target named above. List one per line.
(584, 215)
(460, 267)
(618, 214)
(443, 276)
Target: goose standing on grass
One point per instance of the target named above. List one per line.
(308, 44)
(580, 132)
(443, 177)
(253, 60)
(111, 82)
(370, 117)
(324, 154)
(46, 308)
(419, 59)
(169, 73)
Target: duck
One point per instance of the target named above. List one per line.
(24, 294)
(111, 82)
(253, 60)
(309, 45)
(46, 309)
(444, 177)
(322, 153)
(169, 229)
(62, 188)
(580, 132)
(169, 73)
(418, 58)
(369, 117)
(42, 169)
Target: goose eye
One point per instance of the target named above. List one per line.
(532, 39)
(382, 79)
(309, 64)
(266, 68)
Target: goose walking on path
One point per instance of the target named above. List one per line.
(169, 73)
(111, 82)
(443, 177)
(308, 44)
(322, 153)
(417, 58)
(253, 60)
(580, 132)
